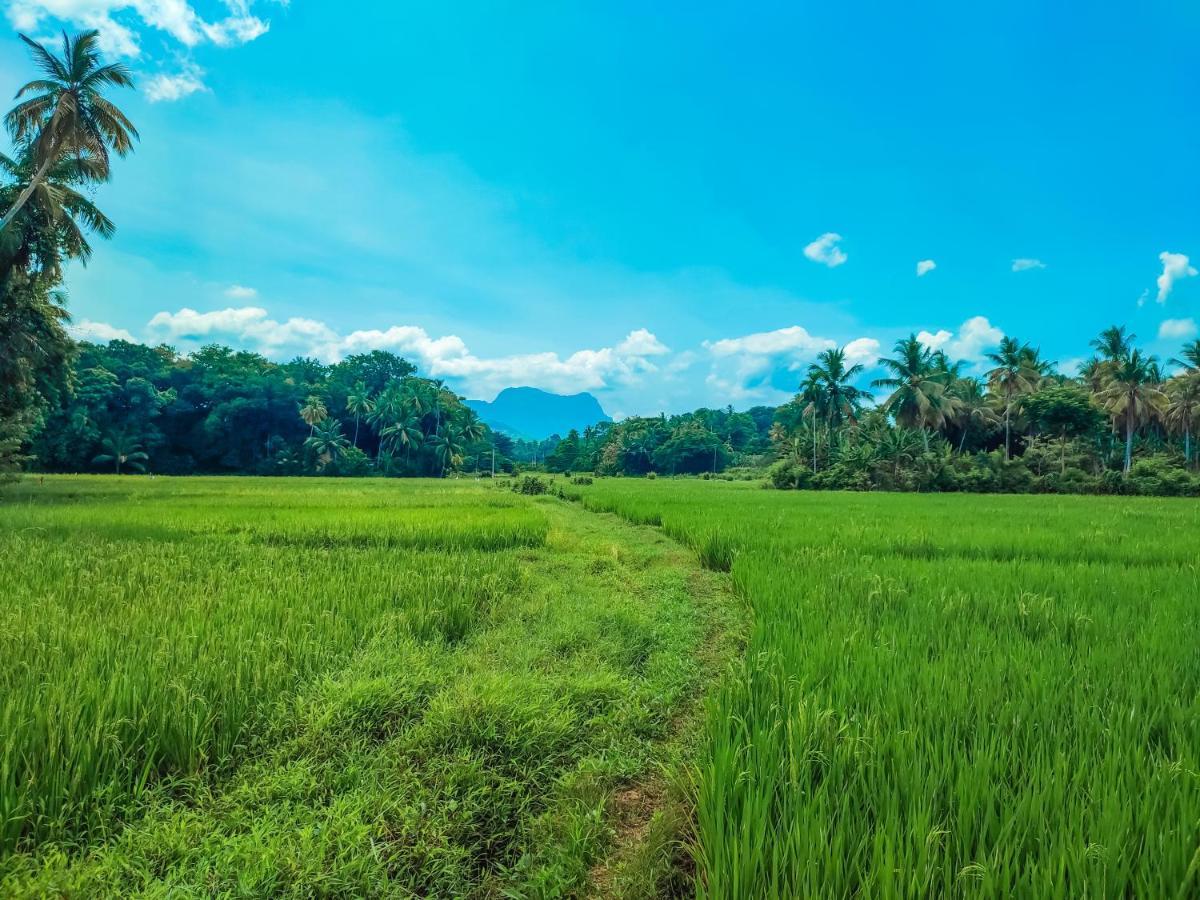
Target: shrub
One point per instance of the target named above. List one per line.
(581, 479)
(531, 485)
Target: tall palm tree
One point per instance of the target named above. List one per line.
(327, 442)
(313, 412)
(1182, 410)
(404, 432)
(973, 407)
(121, 450)
(359, 402)
(447, 446)
(842, 399)
(1189, 356)
(1131, 396)
(1015, 373)
(68, 114)
(918, 397)
(814, 399)
(51, 226)
(1114, 343)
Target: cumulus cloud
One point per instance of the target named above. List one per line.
(1024, 264)
(168, 88)
(973, 338)
(99, 332)
(114, 18)
(447, 356)
(825, 250)
(862, 350)
(925, 266)
(1176, 267)
(754, 368)
(1177, 329)
(240, 292)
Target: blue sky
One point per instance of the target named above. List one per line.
(637, 199)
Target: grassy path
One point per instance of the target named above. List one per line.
(522, 748)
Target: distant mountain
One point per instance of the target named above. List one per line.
(530, 413)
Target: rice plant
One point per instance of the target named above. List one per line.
(947, 696)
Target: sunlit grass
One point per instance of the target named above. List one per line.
(947, 696)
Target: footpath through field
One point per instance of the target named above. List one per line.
(346, 689)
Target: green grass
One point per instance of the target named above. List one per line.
(957, 696)
(261, 687)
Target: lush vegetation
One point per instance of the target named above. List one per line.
(134, 408)
(64, 130)
(1122, 426)
(293, 688)
(945, 696)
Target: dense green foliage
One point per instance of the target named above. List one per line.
(706, 440)
(261, 687)
(946, 696)
(222, 411)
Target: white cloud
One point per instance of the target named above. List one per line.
(862, 350)
(240, 292)
(750, 369)
(1143, 297)
(112, 18)
(1024, 264)
(974, 337)
(642, 343)
(1175, 267)
(793, 340)
(925, 266)
(439, 357)
(825, 250)
(1177, 329)
(99, 332)
(164, 87)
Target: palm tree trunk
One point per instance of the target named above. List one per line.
(356, 415)
(925, 437)
(24, 196)
(1007, 432)
(1128, 440)
(963, 440)
(1187, 446)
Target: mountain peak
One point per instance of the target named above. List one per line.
(529, 412)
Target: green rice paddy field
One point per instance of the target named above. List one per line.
(253, 687)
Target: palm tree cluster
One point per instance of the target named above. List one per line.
(421, 428)
(936, 422)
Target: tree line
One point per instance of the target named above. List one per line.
(1122, 424)
(134, 408)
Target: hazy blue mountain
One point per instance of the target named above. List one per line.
(535, 414)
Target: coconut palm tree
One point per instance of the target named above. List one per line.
(313, 412)
(327, 441)
(973, 407)
(1015, 373)
(51, 226)
(447, 446)
(1189, 356)
(1131, 396)
(1114, 343)
(68, 114)
(405, 432)
(918, 398)
(121, 450)
(814, 399)
(1182, 410)
(359, 402)
(842, 400)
